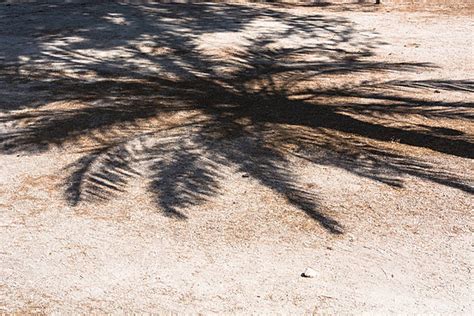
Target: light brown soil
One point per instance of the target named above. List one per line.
(340, 140)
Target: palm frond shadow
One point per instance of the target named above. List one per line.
(179, 126)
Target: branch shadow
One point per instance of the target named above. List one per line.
(180, 113)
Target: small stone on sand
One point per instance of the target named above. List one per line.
(309, 273)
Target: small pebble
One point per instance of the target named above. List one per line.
(309, 273)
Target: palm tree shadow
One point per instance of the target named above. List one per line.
(180, 126)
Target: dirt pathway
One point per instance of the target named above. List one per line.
(159, 158)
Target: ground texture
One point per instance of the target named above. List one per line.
(197, 158)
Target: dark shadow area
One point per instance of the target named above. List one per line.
(133, 88)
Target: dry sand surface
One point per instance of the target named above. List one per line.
(198, 158)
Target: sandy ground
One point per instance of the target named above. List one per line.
(375, 194)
